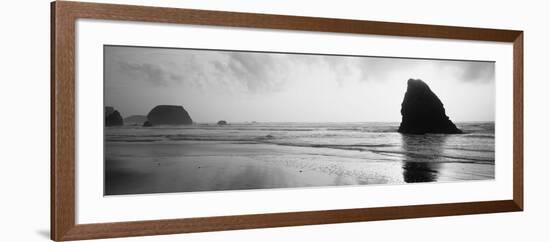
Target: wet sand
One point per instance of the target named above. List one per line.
(138, 168)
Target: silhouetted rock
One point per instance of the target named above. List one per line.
(422, 111)
(135, 120)
(222, 122)
(169, 115)
(112, 117)
(109, 110)
(147, 124)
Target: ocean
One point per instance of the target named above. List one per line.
(238, 156)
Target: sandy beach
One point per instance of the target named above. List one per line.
(187, 166)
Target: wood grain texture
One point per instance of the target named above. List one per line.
(63, 123)
(63, 17)
(53, 214)
(173, 226)
(268, 21)
(518, 121)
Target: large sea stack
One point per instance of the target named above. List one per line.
(422, 112)
(169, 115)
(112, 117)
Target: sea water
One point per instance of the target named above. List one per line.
(280, 155)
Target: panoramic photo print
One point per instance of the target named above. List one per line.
(189, 120)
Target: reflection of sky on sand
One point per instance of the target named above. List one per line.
(286, 155)
(153, 168)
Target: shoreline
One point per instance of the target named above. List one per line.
(141, 168)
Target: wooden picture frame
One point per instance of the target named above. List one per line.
(63, 17)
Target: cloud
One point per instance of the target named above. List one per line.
(376, 69)
(152, 73)
(381, 69)
(260, 73)
(278, 87)
(248, 72)
(476, 71)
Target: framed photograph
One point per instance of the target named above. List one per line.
(169, 120)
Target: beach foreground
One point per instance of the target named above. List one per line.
(154, 164)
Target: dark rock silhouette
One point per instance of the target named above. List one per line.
(112, 117)
(169, 115)
(147, 124)
(109, 110)
(222, 122)
(135, 120)
(422, 111)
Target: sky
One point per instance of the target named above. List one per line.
(240, 86)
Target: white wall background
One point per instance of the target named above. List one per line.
(24, 102)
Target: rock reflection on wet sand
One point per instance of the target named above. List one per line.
(139, 168)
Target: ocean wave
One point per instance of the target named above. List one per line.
(365, 130)
(132, 140)
(382, 140)
(434, 157)
(470, 149)
(482, 136)
(266, 139)
(394, 150)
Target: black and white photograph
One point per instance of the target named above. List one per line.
(190, 120)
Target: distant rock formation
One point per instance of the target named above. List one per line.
(109, 110)
(222, 122)
(169, 115)
(112, 117)
(135, 120)
(422, 111)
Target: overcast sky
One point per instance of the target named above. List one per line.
(272, 87)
